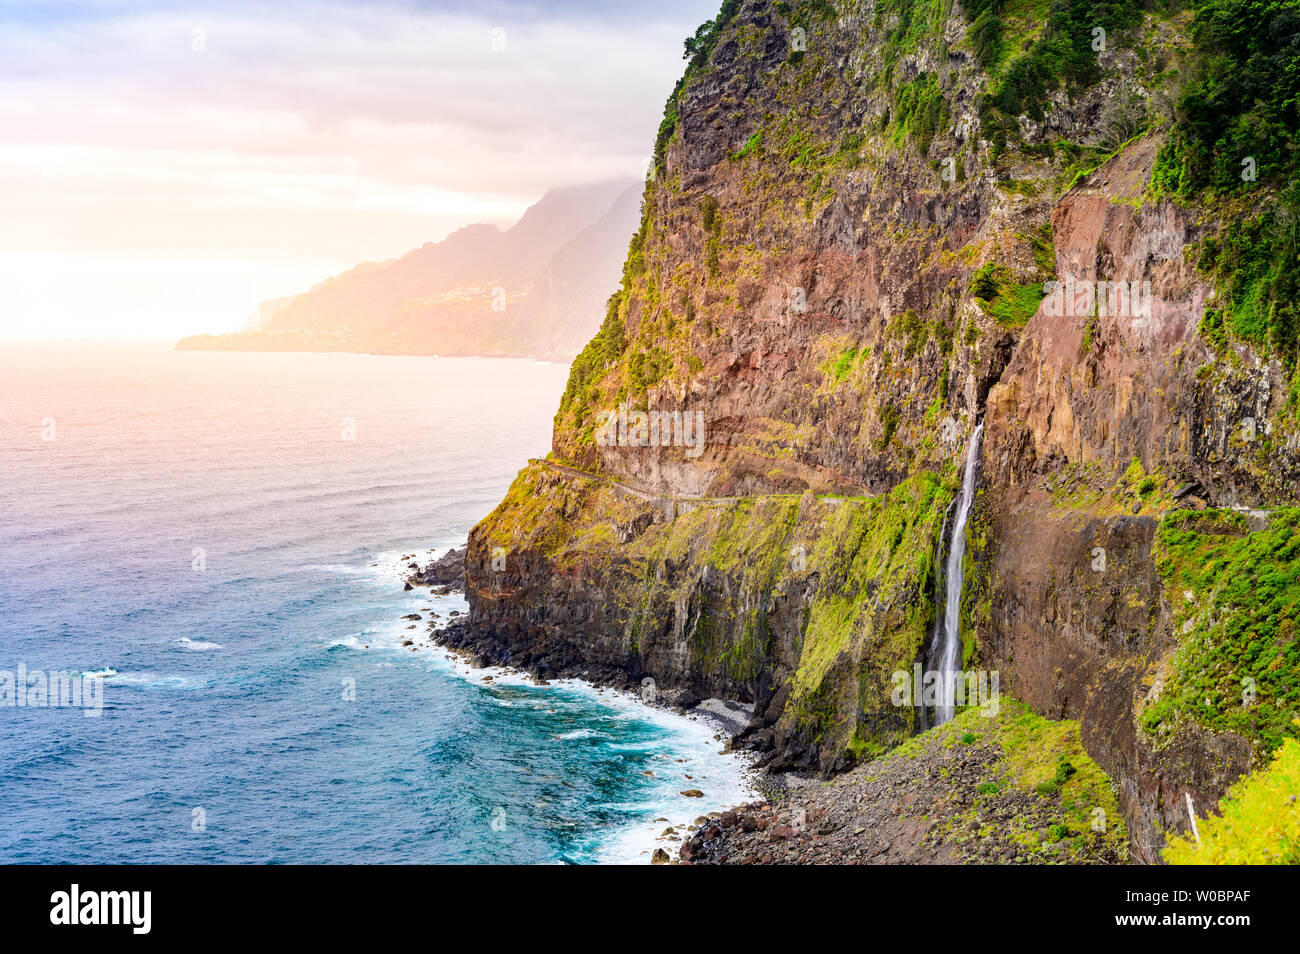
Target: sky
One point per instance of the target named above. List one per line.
(165, 166)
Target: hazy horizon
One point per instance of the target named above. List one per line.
(169, 166)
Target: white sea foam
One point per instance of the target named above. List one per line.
(688, 746)
(197, 646)
(152, 680)
(582, 734)
(634, 746)
(342, 569)
(363, 641)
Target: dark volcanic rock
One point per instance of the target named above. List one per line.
(446, 571)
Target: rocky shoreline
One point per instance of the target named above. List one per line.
(479, 649)
(488, 648)
(945, 803)
(964, 793)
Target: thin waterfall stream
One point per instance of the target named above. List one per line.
(944, 654)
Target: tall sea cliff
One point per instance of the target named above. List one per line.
(870, 227)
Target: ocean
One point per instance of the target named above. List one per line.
(220, 537)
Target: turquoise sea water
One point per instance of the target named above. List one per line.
(220, 534)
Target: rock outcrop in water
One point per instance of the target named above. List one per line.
(871, 227)
(446, 571)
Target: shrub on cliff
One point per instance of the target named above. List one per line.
(1002, 298)
(1258, 821)
(1062, 54)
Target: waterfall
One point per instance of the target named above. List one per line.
(945, 644)
(936, 628)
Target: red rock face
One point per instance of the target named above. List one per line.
(786, 181)
(1078, 642)
(813, 253)
(1137, 389)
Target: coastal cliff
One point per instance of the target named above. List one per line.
(872, 225)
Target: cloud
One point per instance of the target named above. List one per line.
(547, 94)
(314, 134)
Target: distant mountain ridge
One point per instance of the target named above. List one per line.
(536, 289)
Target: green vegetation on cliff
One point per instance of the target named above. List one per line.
(921, 110)
(606, 346)
(871, 611)
(1002, 298)
(1061, 50)
(854, 576)
(1236, 143)
(1100, 491)
(1258, 821)
(1234, 596)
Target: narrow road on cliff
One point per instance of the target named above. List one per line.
(650, 497)
(1255, 514)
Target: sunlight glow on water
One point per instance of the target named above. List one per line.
(227, 692)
